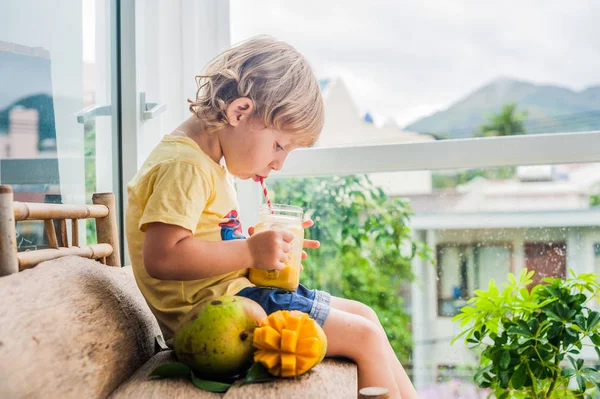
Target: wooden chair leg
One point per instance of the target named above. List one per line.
(63, 237)
(106, 227)
(75, 232)
(50, 233)
(9, 263)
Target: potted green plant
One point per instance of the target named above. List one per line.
(530, 341)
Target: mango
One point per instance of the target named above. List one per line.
(289, 343)
(216, 337)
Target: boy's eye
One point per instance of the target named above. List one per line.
(278, 147)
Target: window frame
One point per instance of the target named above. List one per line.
(438, 266)
(485, 152)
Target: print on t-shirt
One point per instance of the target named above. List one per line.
(232, 229)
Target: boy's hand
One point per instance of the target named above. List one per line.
(269, 249)
(307, 243)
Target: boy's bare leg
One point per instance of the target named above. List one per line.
(405, 386)
(359, 339)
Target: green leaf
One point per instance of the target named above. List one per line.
(592, 376)
(210, 386)
(561, 310)
(505, 360)
(478, 376)
(534, 325)
(551, 315)
(575, 327)
(459, 335)
(567, 373)
(580, 382)
(593, 320)
(573, 362)
(520, 330)
(597, 351)
(595, 339)
(519, 377)
(258, 373)
(170, 370)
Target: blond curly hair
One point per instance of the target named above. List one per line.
(271, 73)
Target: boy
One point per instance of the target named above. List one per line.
(255, 103)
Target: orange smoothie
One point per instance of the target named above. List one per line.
(289, 277)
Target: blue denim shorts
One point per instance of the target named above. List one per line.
(313, 302)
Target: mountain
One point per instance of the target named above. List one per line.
(550, 109)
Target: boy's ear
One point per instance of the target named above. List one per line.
(239, 109)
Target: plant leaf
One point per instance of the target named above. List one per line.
(258, 373)
(520, 330)
(170, 370)
(592, 376)
(459, 335)
(518, 378)
(505, 360)
(210, 386)
(567, 373)
(593, 320)
(551, 315)
(580, 382)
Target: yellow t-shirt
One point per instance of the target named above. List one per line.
(179, 184)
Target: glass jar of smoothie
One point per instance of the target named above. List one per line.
(281, 217)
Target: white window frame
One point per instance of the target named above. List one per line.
(539, 149)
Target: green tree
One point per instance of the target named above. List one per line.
(508, 122)
(366, 245)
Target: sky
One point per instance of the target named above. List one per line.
(406, 59)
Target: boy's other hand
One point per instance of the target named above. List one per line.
(269, 249)
(309, 243)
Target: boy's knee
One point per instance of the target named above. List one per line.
(370, 332)
(365, 311)
(371, 337)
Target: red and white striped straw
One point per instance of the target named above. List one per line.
(266, 193)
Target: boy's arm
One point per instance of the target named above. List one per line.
(172, 253)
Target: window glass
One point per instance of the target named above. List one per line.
(55, 63)
(416, 245)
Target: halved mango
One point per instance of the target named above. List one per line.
(289, 343)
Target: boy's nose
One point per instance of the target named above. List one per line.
(275, 165)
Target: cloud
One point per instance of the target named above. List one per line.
(404, 55)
